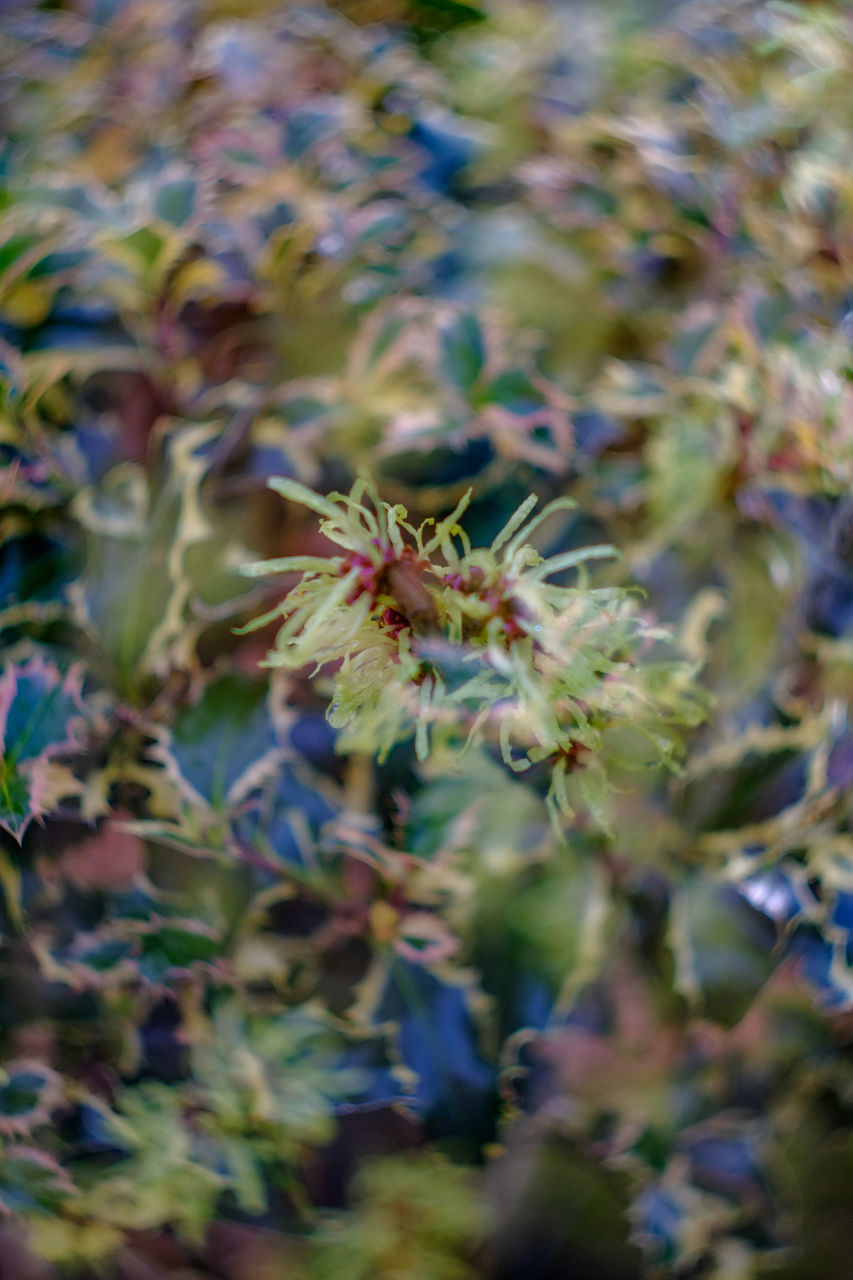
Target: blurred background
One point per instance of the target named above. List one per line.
(266, 1010)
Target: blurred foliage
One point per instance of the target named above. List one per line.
(452, 982)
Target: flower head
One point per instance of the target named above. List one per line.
(462, 645)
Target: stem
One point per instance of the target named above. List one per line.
(359, 784)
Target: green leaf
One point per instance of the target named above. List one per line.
(225, 744)
(463, 350)
(134, 597)
(514, 390)
(418, 1208)
(723, 949)
(15, 247)
(175, 201)
(28, 1092)
(31, 1181)
(40, 713)
(146, 244)
(247, 1179)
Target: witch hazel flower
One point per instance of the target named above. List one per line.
(459, 646)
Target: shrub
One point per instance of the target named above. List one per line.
(459, 884)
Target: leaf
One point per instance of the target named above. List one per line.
(145, 244)
(16, 247)
(273, 1079)
(164, 1179)
(31, 1181)
(514, 390)
(437, 1040)
(175, 201)
(40, 714)
(177, 945)
(246, 1174)
(26, 303)
(285, 818)
(463, 350)
(225, 744)
(10, 880)
(659, 1221)
(32, 574)
(65, 1241)
(723, 949)
(477, 808)
(418, 1208)
(28, 1093)
(134, 595)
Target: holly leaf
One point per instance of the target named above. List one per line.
(463, 351)
(436, 1039)
(284, 818)
(31, 1181)
(223, 746)
(28, 1093)
(723, 949)
(134, 597)
(40, 715)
